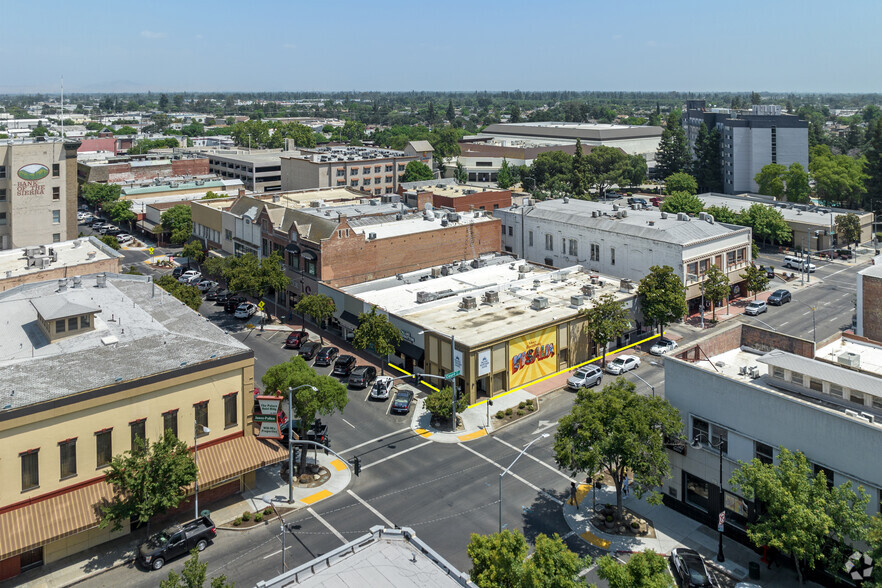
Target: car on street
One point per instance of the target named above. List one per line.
(690, 568)
(326, 356)
(97, 224)
(191, 277)
(124, 238)
(401, 402)
(344, 365)
(798, 263)
(362, 376)
(655, 201)
(176, 541)
(779, 297)
(662, 346)
(176, 273)
(245, 310)
(382, 387)
(206, 285)
(309, 349)
(622, 364)
(755, 308)
(844, 254)
(641, 202)
(216, 292)
(86, 219)
(233, 303)
(585, 377)
(296, 339)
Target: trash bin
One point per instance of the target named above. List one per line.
(753, 570)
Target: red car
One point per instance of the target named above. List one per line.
(655, 201)
(296, 339)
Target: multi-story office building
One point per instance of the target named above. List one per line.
(259, 170)
(38, 192)
(750, 140)
(373, 171)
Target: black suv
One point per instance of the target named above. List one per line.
(326, 356)
(233, 302)
(344, 365)
(309, 349)
(362, 376)
(779, 297)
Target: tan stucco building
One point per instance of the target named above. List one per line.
(373, 171)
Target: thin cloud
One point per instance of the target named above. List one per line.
(152, 35)
(289, 46)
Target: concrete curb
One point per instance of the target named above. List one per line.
(93, 575)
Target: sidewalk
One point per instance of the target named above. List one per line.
(672, 529)
(270, 490)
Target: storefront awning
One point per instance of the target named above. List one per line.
(349, 319)
(307, 254)
(410, 350)
(292, 248)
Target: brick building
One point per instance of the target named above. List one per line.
(124, 170)
(447, 193)
(869, 302)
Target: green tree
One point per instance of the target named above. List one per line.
(716, 287)
(767, 223)
(187, 294)
(302, 135)
(681, 182)
(672, 155)
(210, 195)
(98, 194)
(110, 241)
(272, 277)
(451, 113)
(505, 177)
(417, 171)
(460, 174)
(708, 163)
(755, 280)
(839, 179)
(723, 214)
(120, 211)
(770, 180)
(607, 166)
(145, 145)
(646, 569)
(193, 575)
(318, 307)
(634, 170)
(662, 296)
(606, 320)
(250, 133)
(873, 167)
(797, 180)
(802, 516)
(551, 165)
(148, 480)
(498, 561)
(849, 226)
(617, 431)
(580, 180)
(430, 114)
(375, 332)
(126, 130)
(194, 250)
(176, 221)
(682, 202)
(514, 113)
(874, 538)
(440, 403)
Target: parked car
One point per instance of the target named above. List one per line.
(111, 230)
(638, 201)
(344, 365)
(190, 277)
(124, 238)
(401, 402)
(309, 349)
(779, 297)
(215, 293)
(362, 376)
(755, 307)
(176, 273)
(382, 387)
(690, 568)
(844, 254)
(662, 346)
(233, 303)
(245, 310)
(296, 339)
(798, 263)
(97, 224)
(585, 377)
(86, 219)
(655, 201)
(326, 356)
(622, 364)
(206, 285)
(175, 541)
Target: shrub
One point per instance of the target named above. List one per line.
(440, 403)
(258, 517)
(609, 518)
(635, 525)
(268, 511)
(246, 516)
(237, 521)
(531, 408)
(508, 412)
(500, 414)
(522, 405)
(520, 412)
(529, 402)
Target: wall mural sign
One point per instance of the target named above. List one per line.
(532, 356)
(270, 417)
(31, 174)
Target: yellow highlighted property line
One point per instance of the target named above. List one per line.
(316, 497)
(474, 435)
(338, 465)
(595, 540)
(392, 365)
(557, 373)
(423, 433)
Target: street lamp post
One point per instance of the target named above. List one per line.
(453, 368)
(651, 387)
(696, 443)
(291, 438)
(196, 427)
(523, 451)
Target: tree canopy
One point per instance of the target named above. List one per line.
(606, 320)
(680, 182)
(756, 280)
(177, 222)
(770, 180)
(682, 202)
(417, 171)
(193, 575)
(672, 155)
(839, 179)
(318, 307)
(120, 211)
(607, 166)
(662, 296)
(766, 222)
(506, 177)
(645, 569)
(186, 293)
(708, 163)
(98, 194)
(375, 332)
(716, 287)
(498, 561)
(849, 226)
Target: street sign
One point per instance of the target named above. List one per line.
(265, 418)
(722, 522)
(150, 250)
(452, 375)
(260, 305)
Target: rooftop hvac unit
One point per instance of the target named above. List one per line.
(62, 284)
(588, 291)
(524, 268)
(536, 284)
(399, 216)
(702, 215)
(526, 202)
(491, 296)
(372, 236)
(436, 272)
(423, 297)
(521, 275)
(373, 202)
(852, 413)
(594, 278)
(593, 214)
(626, 285)
(682, 216)
(468, 303)
(850, 359)
(869, 417)
(445, 270)
(453, 217)
(577, 300)
(540, 302)
(444, 222)
(316, 204)
(32, 251)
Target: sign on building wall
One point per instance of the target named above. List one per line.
(269, 418)
(457, 360)
(483, 362)
(31, 174)
(532, 356)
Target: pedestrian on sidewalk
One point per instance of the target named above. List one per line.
(573, 499)
(772, 555)
(625, 487)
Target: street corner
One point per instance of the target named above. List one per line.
(577, 517)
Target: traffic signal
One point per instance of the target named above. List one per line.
(417, 380)
(356, 465)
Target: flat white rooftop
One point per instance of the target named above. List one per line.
(74, 253)
(412, 224)
(870, 355)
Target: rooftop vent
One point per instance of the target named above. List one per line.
(101, 280)
(850, 359)
(565, 200)
(682, 216)
(444, 222)
(524, 267)
(615, 207)
(491, 296)
(468, 303)
(62, 284)
(436, 272)
(588, 291)
(77, 282)
(372, 236)
(536, 284)
(76, 243)
(626, 285)
(709, 218)
(664, 215)
(539, 303)
(593, 214)
(577, 300)
(651, 223)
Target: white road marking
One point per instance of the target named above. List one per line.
(784, 323)
(537, 460)
(371, 508)
(513, 475)
(394, 455)
(347, 422)
(318, 517)
(375, 440)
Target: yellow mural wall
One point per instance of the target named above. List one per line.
(532, 356)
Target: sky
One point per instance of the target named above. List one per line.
(454, 45)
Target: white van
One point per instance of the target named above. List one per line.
(798, 263)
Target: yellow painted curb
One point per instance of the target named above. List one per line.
(423, 433)
(474, 435)
(316, 497)
(338, 465)
(595, 540)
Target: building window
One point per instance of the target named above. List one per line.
(877, 402)
(366, 181)
(764, 453)
(612, 255)
(56, 217)
(401, 167)
(60, 326)
(85, 321)
(139, 431)
(796, 378)
(700, 430)
(72, 324)
(836, 390)
(692, 268)
(856, 397)
(730, 258)
(30, 469)
(341, 173)
(377, 169)
(68, 453)
(56, 193)
(702, 267)
(503, 230)
(509, 231)
(231, 411)
(549, 242)
(529, 237)
(310, 267)
(388, 169)
(720, 438)
(736, 510)
(816, 385)
(103, 447)
(201, 410)
(353, 171)
(2, 194)
(778, 372)
(228, 234)
(170, 422)
(574, 247)
(595, 252)
(56, 170)
(2, 172)
(354, 183)
(696, 491)
(740, 255)
(56, 237)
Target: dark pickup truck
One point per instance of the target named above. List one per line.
(176, 541)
